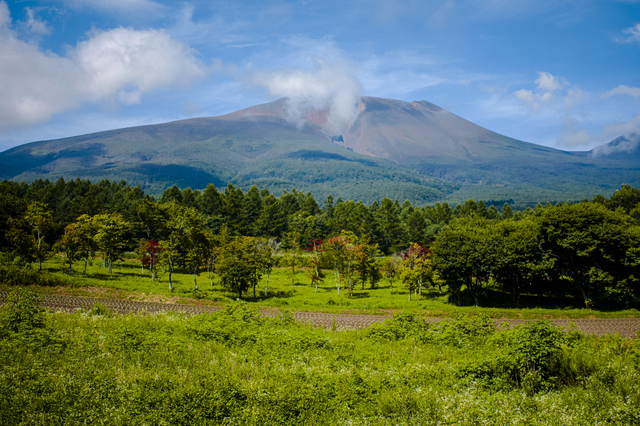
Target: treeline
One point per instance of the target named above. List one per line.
(256, 213)
(588, 250)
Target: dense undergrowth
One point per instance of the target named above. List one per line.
(236, 367)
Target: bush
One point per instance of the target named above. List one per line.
(23, 322)
(401, 326)
(464, 328)
(100, 309)
(13, 274)
(21, 313)
(529, 356)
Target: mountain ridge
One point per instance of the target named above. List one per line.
(414, 150)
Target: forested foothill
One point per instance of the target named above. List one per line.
(584, 254)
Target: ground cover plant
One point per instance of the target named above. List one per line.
(236, 367)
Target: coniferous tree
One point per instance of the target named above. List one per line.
(392, 234)
(482, 209)
(417, 226)
(232, 208)
(327, 207)
(310, 206)
(171, 194)
(211, 201)
(272, 221)
(251, 210)
(507, 212)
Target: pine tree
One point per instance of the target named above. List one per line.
(232, 207)
(251, 210)
(392, 234)
(211, 201)
(272, 221)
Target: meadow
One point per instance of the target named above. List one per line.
(237, 367)
(129, 281)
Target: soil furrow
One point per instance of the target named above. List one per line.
(626, 327)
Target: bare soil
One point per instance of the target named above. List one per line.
(626, 327)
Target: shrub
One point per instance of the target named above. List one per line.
(100, 309)
(529, 356)
(23, 322)
(401, 326)
(13, 274)
(464, 328)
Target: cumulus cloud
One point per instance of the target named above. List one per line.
(623, 90)
(115, 66)
(547, 85)
(328, 87)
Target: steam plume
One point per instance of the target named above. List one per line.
(329, 87)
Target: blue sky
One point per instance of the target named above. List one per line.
(564, 74)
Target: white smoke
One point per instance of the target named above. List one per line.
(328, 87)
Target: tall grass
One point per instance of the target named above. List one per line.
(236, 367)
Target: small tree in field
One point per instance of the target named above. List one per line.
(112, 236)
(342, 252)
(239, 265)
(70, 245)
(294, 259)
(39, 218)
(335, 256)
(267, 250)
(390, 267)
(316, 250)
(416, 268)
(171, 254)
(365, 264)
(149, 252)
(85, 230)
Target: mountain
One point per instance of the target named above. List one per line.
(409, 150)
(623, 148)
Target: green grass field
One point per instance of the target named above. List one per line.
(233, 367)
(129, 281)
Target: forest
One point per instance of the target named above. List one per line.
(587, 252)
(237, 366)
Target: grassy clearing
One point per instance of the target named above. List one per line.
(234, 367)
(129, 282)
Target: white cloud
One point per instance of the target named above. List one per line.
(630, 130)
(115, 66)
(35, 25)
(5, 16)
(633, 35)
(547, 85)
(119, 6)
(623, 90)
(328, 87)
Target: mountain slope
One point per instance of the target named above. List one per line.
(414, 151)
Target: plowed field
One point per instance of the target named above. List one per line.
(626, 327)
